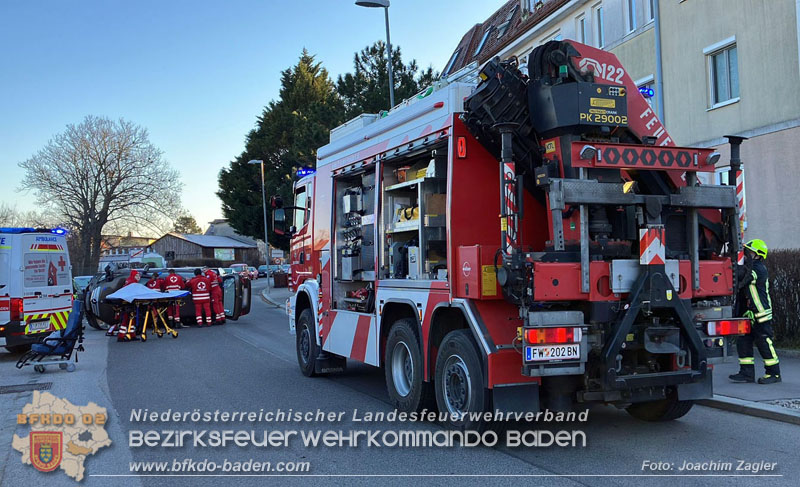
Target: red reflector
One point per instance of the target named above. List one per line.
(438, 104)
(461, 147)
(728, 327)
(553, 335)
(16, 309)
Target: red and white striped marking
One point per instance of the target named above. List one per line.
(742, 211)
(509, 173)
(652, 250)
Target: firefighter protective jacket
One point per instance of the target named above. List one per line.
(754, 291)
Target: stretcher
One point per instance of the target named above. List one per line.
(135, 300)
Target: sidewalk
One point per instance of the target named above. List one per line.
(775, 401)
(276, 297)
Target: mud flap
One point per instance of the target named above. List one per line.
(696, 390)
(327, 363)
(519, 398)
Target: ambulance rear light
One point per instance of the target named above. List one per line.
(727, 327)
(553, 335)
(17, 309)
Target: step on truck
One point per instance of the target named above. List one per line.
(533, 241)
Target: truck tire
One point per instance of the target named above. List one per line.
(662, 410)
(403, 368)
(306, 343)
(459, 381)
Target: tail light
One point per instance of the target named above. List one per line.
(17, 309)
(553, 335)
(727, 327)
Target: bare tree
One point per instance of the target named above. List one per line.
(102, 172)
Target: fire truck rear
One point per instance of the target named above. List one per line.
(535, 241)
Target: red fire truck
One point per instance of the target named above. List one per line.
(533, 241)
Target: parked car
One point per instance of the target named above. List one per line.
(79, 283)
(253, 273)
(273, 268)
(263, 271)
(241, 269)
(286, 268)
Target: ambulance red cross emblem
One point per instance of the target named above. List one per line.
(61, 262)
(46, 448)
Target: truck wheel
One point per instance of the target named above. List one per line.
(306, 343)
(404, 369)
(662, 410)
(459, 381)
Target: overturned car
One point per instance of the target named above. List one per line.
(100, 314)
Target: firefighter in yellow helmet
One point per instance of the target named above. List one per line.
(753, 302)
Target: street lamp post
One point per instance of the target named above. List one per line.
(264, 205)
(385, 5)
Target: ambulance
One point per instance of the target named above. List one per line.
(35, 285)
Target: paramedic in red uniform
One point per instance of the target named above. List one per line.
(155, 283)
(174, 282)
(201, 295)
(216, 295)
(127, 331)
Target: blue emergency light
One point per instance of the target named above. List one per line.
(646, 91)
(305, 171)
(55, 231)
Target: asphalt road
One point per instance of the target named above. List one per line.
(250, 365)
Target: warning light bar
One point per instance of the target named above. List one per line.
(727, 327)
(553, 335)
(305, 171)
(55, 231)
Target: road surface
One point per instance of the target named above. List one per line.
(250, 365)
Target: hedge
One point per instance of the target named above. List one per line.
(784, 286)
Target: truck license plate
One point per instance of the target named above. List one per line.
(541, 353)
(38, 326)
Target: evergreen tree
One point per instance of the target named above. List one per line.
(286, 138)
(366, 90)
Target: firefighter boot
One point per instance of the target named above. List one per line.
(769, 379)
(747, 373)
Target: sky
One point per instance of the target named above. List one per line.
(195, 73)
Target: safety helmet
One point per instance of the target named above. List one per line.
(758, 246)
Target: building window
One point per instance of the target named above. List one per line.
(483, 41)
(631, 15)
(651, 12)
(451, 62)
(580, 29)
(723, 64)
(599, 34)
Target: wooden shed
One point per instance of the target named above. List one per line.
(181, 246)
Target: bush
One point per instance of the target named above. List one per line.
(784, 287)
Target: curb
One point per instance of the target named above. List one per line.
(267, 299)
(750, 408)
(788, 353)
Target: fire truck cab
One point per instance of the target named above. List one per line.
(486, 251)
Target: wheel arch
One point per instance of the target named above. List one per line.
(458, 315)
(393, 310)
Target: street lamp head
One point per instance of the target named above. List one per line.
(255, 161)
(373, 3)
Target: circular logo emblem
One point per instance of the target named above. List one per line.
(466, 269)
(201, 286)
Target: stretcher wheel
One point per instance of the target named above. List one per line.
(174, 334)
(160, 335)
(39, 368)
(144, 338)
(70, 367)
